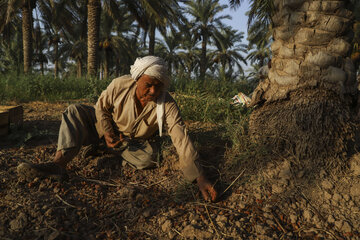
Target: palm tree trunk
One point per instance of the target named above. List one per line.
(78, 68)
(94, 9)
(56, 61)
(203, 59)
(152, 39)
(42, 68)
(304, 104)
(106, 64)
(27, 37)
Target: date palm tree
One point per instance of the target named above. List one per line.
(304, 106)
(205, 22)
(228, 50)
(168, 50)
(9, 9)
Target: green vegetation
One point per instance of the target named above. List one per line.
(35, 87)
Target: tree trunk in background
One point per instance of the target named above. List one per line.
(78, 68)
(27, 37)
(304, 106)
(106, 64)
(152, 39)
(203, 59)
(42, 68)
(94, 10)
(56, 61)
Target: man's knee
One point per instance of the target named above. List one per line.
(73, 108)
(147, 163)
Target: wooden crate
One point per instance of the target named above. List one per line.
(4, 123)
(10, 115)
(15, 114)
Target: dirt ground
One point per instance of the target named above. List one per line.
(104, 200)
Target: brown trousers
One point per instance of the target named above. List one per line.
(78, 129)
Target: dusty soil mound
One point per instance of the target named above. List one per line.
(273, 199)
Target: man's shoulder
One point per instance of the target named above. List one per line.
(123, 81)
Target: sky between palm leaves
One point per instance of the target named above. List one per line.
(239, 19)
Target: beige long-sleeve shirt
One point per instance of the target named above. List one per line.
(116, 107)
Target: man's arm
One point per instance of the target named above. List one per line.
(103, 111)
(188, 156)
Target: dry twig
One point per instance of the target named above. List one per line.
(66, 203)
(100, 182)
(232, 183)
(213, 225)
(213, 206)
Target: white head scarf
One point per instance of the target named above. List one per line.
(153, 67)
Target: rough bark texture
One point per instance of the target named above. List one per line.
(27, 38)
(94, 9)
(303, 105)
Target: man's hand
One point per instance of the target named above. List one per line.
(112, 140)
(208, 191)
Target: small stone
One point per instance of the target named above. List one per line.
(260, 229)
(327, 196)
(166, 226)
(338, 224)
(18, 223)
(191, 232)
(171, 234)
(326, 184)
(277, 189)
(355, 190)
(161, 220)
(346, 227)
(125, 192)
(322, 173)
(337, 197)
(221, 218)
(257, 195)
(346, 197)
(308, 215)
(293, 218)
(285, 172)
(172, 212)
(355, 210)
(147, 213)
(331, 219)
(270, 222)
(355, 165)
(300, 174)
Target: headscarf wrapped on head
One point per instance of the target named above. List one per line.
(153, 67)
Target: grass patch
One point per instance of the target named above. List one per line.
(34, 87)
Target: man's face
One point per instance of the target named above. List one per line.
(148, 89)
